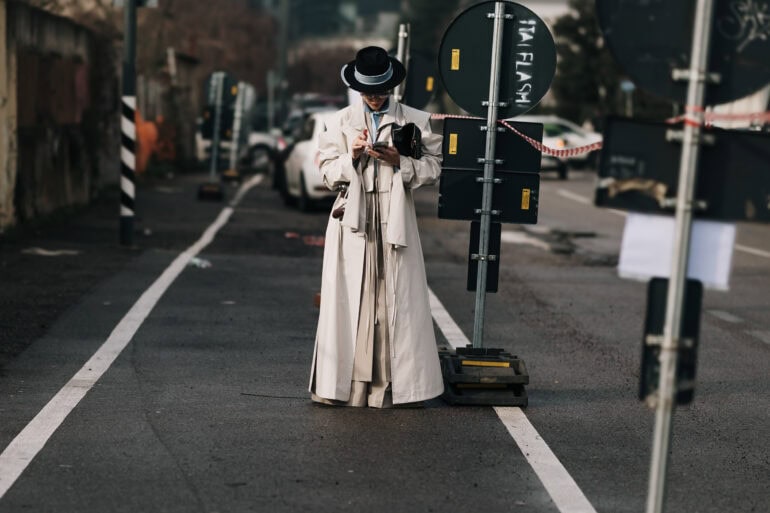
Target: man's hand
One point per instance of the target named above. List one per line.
(388, 154)
(359, 144)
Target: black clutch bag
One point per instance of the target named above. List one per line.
(407, 140)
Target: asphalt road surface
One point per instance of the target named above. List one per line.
(179, 382)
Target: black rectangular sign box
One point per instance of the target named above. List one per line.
(465, 143)
(493, 248)
(654, 323)
(515, 197)
(639, 170)
(483, 377)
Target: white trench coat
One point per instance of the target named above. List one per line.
(415, 368)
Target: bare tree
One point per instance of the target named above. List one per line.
(224, 35)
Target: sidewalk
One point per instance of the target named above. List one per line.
(49, 265)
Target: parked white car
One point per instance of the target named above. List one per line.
(264, 148)
(562, 134)
(302, 181)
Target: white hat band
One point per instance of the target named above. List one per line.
(374, 79)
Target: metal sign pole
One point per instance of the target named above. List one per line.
(684, 207)
(401, 55)
(489, 173)
(407, 57)
(220, 79)
(270, 100)
(234, 142)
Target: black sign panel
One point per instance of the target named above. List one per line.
(515, 198)
(226, 119)
(493, 248)
(653, 325)
(229, 88)
(651, 38)
(526, 69)
(639, 170)
(421, 81)
(465, 144)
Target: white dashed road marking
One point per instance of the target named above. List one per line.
(523, 238)
(725, 316)
(764, 336)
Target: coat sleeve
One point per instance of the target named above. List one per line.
(336, 163)
(426, 170)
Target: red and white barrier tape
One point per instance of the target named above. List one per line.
(570, 152)
(695, 117)
(710, 117)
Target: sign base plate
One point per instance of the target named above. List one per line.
(483, 377)
(211, 191)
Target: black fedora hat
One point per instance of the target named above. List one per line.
(373, 71)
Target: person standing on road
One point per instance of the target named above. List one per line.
(375, 343)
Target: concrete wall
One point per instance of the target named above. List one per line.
(60, 134)
(7, 123)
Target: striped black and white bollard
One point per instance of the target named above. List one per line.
(128, 128)
(127, 169)
(128, 119)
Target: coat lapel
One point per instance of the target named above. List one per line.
(357, 120)
(390, 117)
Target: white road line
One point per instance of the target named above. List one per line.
(523, 238)
(752, 251)
(586, 201)
(28, 443)
(574, 197)
(764, 336)
(446, 324)
(557, 481)
(725, 316)
(582, 199)
(564, 492)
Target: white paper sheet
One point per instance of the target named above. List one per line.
(648, 242)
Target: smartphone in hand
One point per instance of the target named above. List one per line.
(379, 145)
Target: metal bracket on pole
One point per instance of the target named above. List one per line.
(486, 103)
(482, 160)
(488, 180)
(678, 136)
(487, 212)
(697, 205)
(657, 340)
(476, 256)
(494, 16)
(484, 128)
(700, 76)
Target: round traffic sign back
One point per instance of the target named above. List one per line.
(527, 65)
(650, 39)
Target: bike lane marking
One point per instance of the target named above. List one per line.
(31, 440)
(564, 491)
